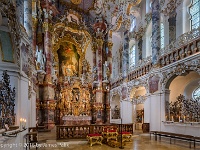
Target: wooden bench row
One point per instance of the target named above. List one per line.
(188, 138)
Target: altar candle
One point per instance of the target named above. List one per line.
(25, 123)
(20, 125)
(172, 118)
(179, 118)
(184, 118)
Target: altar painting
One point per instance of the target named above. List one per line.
(68, 60)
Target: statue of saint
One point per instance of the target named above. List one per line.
(40, 59)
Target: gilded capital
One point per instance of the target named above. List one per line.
(99, 42)
(110, 45)
(35, 22)
(47, 27)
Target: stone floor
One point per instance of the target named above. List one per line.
(47, 141)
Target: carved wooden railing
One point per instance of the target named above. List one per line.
(80, 132)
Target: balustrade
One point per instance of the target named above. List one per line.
(81, 131)
(185, 45)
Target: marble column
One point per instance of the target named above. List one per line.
(172, 26)
(28, 17)
(34, 35)
(99, 91)
(140, 41)
(125, 55)
(155, 32)
(109, 59)
(48, 87)
(20, 10)
(94, 55)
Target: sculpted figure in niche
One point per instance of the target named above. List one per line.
(40, 59)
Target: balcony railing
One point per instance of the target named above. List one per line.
(184, 46)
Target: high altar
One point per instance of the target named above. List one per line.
(73, 93)
(74, 104)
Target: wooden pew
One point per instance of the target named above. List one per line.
(184, 137)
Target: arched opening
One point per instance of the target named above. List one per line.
(180, 105)
(115, 108)
(138, 96)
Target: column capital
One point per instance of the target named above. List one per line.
(110, 45)
(35, 22)
(47, 26)
(99, 42)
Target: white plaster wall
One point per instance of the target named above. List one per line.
(117, 41)
(157, 111)
(148, 40)
(147, 110)
(126, 112)
(179, 84)
(188, 129)
(189, 89)
(21, 108)
(32, 107)
(89, 56)
(183, 18)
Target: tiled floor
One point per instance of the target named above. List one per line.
(47, 140)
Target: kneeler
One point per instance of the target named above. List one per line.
(94, 139)
(126, 136)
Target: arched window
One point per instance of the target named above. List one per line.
(162, 39)
(195, 14)
(196, 94)
(132, 57)
(132, 25)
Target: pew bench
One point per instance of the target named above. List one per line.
(174, 136)
(196, 139)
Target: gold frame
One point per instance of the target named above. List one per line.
(68, 38)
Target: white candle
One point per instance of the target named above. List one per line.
(20, 124)
(25, 123)
(179, 118)
(172, 118)
(184, 118)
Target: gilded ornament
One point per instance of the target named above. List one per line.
(35, 22)
(76, 2)
(110, 45)
(47, 27)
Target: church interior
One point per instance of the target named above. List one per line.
(106, 74)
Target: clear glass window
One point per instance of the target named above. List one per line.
(162, 35)
(132, 25)
(196, 94)
(195, 14)
(132, 57)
